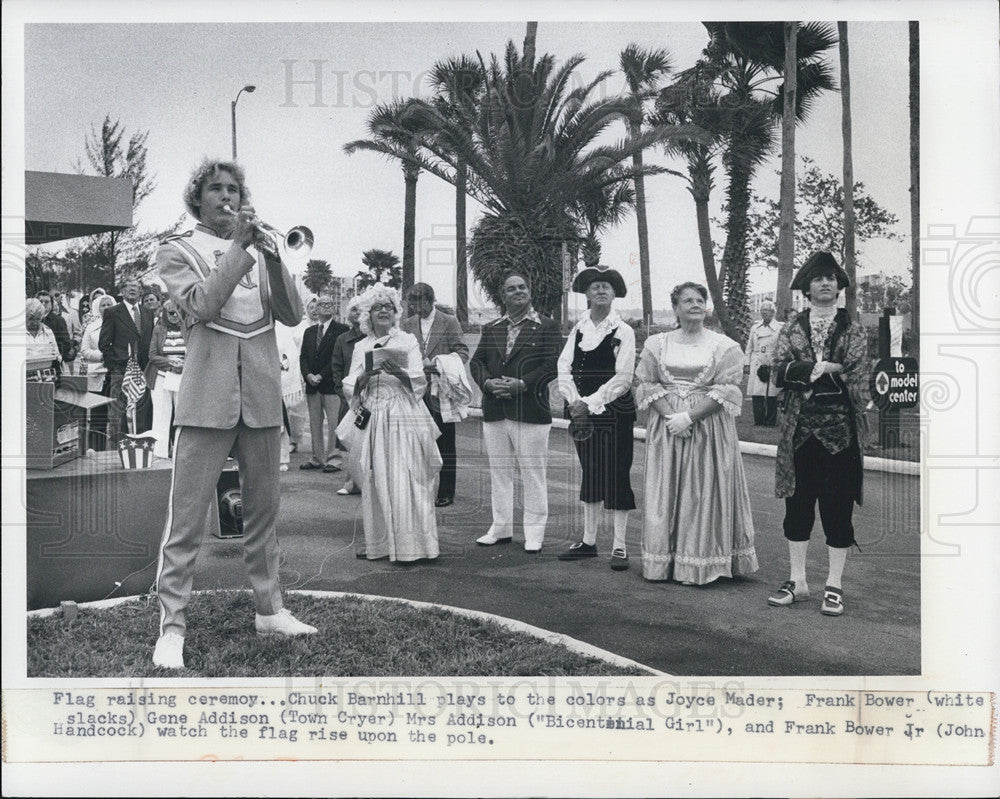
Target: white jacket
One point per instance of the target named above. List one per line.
(451, 387)
(91, 356)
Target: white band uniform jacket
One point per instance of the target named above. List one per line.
(213, 393)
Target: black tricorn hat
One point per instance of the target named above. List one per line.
(605, 273)
(819, 263)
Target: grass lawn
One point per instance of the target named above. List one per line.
(356, 637)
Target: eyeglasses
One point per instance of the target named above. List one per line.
(325, 304)
(387, 306)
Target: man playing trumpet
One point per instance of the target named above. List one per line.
(229, 401)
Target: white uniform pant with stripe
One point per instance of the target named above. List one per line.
(524, 446)
(199, 456)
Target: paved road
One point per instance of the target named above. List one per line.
(725, 628)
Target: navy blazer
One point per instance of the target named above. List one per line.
(57, 325)
(119, 336)
(532, 360)
(313, 361)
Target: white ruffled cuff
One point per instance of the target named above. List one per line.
(651, 397)
(730, 407)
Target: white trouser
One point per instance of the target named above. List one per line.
(526, 447)
(163, 412)
(321, 405)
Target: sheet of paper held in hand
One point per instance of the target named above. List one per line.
(376, 359)
(923, 723)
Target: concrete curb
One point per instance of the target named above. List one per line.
(572, 644)
(872, 464)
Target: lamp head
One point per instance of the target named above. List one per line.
(249, 88)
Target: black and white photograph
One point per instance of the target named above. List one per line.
(471, 388)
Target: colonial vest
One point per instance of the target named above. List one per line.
(591, 370)
(247, 312)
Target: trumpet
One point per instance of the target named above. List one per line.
(295, 245)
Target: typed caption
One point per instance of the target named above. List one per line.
(427, 720)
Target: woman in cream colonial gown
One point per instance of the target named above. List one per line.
(697, 523)
(394, 459)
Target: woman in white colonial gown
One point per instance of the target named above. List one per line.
(394, 458)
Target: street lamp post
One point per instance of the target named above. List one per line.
(249, 89)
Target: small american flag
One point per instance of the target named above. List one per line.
(133, 383)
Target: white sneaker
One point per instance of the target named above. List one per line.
(169, 652)
(282, 623)
(489, 540)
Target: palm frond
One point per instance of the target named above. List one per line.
(642, 67)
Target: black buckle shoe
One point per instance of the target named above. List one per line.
(578, 551)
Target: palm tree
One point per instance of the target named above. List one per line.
(692, 100)
(319, 275)
(393, 134)
(529, 146)
(642, 69)
(851, 293)
(381, 266)
(458, 82)
(600, 208)
(745, 57)
(786, 226)
(530, 36)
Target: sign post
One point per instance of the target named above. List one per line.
(895, 381)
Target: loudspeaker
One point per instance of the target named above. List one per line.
(230, 505)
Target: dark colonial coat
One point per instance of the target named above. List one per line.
(847, 345)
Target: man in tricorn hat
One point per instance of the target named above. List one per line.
(595, 377)
(820, 360)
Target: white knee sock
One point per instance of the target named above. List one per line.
(621, 523)
(838, 557)
(591, 514)
(797, 558)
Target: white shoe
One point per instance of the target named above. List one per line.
(282, 623)
(169, 652)
(531, 546)
(283, 467)
(489, 540)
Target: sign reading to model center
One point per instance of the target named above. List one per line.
(895, 383)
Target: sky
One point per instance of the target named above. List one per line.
(317, 82)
